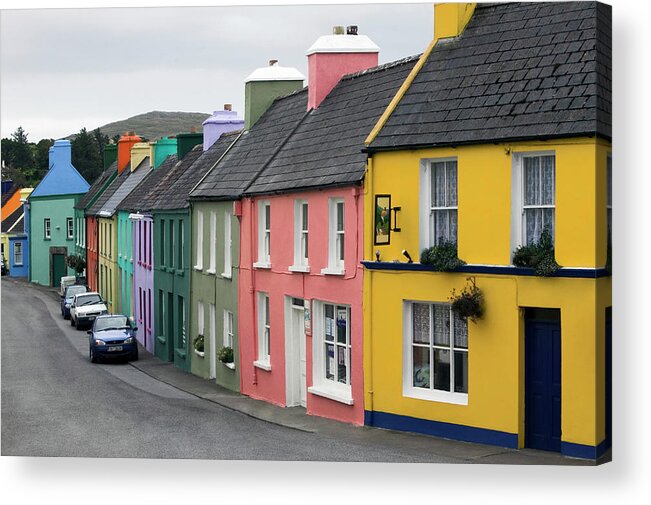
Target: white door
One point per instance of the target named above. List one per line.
(295, 355)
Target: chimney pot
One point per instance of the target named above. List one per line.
(272, 62)
(228, 106)
(337, 30)
(351, 30)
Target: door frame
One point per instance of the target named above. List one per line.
(293, 374)
(57, 250)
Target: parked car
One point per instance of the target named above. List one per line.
(68, 296)
(112, 336)
(4, 266)
(85, 308)
(66, 281)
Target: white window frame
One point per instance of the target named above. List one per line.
(18, 246)
(609, 196)
(228, 329)
(410, 391)
(301, 241)
(322, 386)
(200, 318)
(425, 205)
(213, 243)
(47, 228)
(264, 235)
(336, 265)
(199, 260)
(264, 332)
(228, 246)
(70, 228)
(518, 224)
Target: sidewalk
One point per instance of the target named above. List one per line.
(296, 417)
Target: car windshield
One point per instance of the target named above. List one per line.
(74, 290)
(111, 323)
(88, 300)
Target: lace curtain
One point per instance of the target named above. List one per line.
(539, 196)
(443, 213)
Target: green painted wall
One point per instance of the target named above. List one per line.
(163, 148)
(58, 209)
(186, 141)
(259, 95)
(125, 263)
(110, 155)
(172, 281)
(215, 289)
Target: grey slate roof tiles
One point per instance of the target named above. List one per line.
(130, 183)
(253, 149)
(15, 219)
(136, 200)
(326, 148)
(518, 71)
(108, 192)
(96, 186)
(172, 191)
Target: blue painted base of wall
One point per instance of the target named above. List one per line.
(439, 429)
(469, 433)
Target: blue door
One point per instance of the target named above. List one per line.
(543, 379)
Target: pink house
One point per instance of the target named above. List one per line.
(301, 281)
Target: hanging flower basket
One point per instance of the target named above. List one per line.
(469, 303)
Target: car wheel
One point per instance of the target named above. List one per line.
(92, 355)
(134, 356)
(72, 321)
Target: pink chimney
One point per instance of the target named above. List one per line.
(333, 56)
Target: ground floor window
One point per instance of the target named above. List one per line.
(435, 357)
(228, 329)
(332, 370)
(18, 253)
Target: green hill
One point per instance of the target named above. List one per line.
(156, 124)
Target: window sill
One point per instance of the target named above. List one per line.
(333, 271)
(299, 268)
(229, 365)
(436, 396)
(179, 272)
(259, 264)
(161, 339)
(180, 353)
(264, 365)
(331, 394)
(226, 276)
(198, 268)
(201, 354)
(211, 271)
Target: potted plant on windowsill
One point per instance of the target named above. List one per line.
(198, 345)
(538, 255)
(78, 264)
(469, 303)
(225, 355)
(442, 257)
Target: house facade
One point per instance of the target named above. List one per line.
(15, 231)
(51, 214)
(511, 152)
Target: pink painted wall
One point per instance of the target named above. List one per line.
(278, 283)
(324, 70)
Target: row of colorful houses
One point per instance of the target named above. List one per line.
(293, 237)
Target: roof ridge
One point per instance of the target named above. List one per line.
(384, 66)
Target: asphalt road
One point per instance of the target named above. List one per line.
(56, 403)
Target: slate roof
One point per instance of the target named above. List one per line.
(97, 186)
(15, 218)
(253, 149)
(137, 199)
(172, 191)
(108, 193)
(326, 148)
(130, 183)
(518, 71)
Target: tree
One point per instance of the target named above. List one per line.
(86, 156)
(42, 156)
(18, 159)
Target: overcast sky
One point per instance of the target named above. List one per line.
(63, 69)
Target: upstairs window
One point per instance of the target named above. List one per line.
(47, 230)
(70, 228)
(609, 194)
(538, 209)
(181, 247)
(199, 260)
(264, 234)
(300, 236)
(213, 242)
(162, 242)
(441, 213)
(228, 244)
(336, 237)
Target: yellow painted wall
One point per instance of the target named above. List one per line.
(496, 343)
(108, 253)
(484, 194)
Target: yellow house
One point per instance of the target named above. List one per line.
(500, 138)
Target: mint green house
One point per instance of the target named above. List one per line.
(51, 217)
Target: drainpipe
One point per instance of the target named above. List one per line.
(251, 269)
(369, 178)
